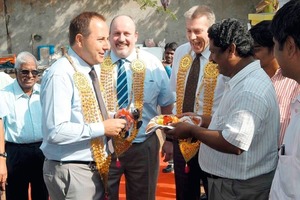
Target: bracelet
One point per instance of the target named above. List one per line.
(169, 139)
(3, 154)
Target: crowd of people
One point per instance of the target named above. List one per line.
(75, 135)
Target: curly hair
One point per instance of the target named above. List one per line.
(231, 31)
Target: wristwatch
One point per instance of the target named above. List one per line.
(3, 154)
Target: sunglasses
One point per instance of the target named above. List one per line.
(26, 72)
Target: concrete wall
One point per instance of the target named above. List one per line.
(50, 19)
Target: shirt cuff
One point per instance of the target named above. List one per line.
(97, 129)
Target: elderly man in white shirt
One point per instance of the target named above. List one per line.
(21, 112)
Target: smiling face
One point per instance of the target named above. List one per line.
(169, 55)
(196, 33)
(123, 36)
(94, 46)
(26, 76)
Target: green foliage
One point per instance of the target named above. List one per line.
(153, 4)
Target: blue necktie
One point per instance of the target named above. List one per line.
(122, 90)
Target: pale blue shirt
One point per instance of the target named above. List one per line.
(157, 90)
(21, 114)
(248, 116)
(66, 135)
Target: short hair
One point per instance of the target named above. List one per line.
(231, 31)
(23, 58)
(262, 34)
(199, 11)
(171, 45)
(80, 25)
(286, 23)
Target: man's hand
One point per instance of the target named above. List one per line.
(3, 173)
(182, 130)
(113, 127)
(128, 116)
(167, 151)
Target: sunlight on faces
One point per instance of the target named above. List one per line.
(27, 81)
(123, 36)
(196, 33)
(218, 56)
(169, 54)
(96, 44)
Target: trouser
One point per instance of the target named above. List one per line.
(24, 166)
(187, 184)
(257, 188)
(73, 180)
(140, 165)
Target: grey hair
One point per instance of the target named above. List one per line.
(23, 58)
(199, 11)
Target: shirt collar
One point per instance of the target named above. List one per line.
(115, 58)
(18, 92)
(205, 53)
(243, 73)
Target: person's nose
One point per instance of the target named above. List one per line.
(122, 37)
(193, 36)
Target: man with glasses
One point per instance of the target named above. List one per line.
(20, 115)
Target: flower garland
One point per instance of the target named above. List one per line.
(209, 82)
(121, 143)
(92, 114)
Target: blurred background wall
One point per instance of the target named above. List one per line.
(28, 24)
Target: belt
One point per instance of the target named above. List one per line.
(23, 144)
(212, 176)
(75, 162)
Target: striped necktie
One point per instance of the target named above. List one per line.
(122, 88)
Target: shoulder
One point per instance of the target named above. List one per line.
(61, 67)
(183, 49)
(150, 60)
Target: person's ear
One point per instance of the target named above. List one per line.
(231, 50)
(291, 46)
(78, 39)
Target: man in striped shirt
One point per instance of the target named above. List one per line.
(239, 148)
(286, 89)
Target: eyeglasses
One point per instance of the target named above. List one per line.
(26, 72)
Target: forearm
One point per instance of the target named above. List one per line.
(215, 140)
(2, 137)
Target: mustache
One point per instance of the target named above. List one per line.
(122, 43)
